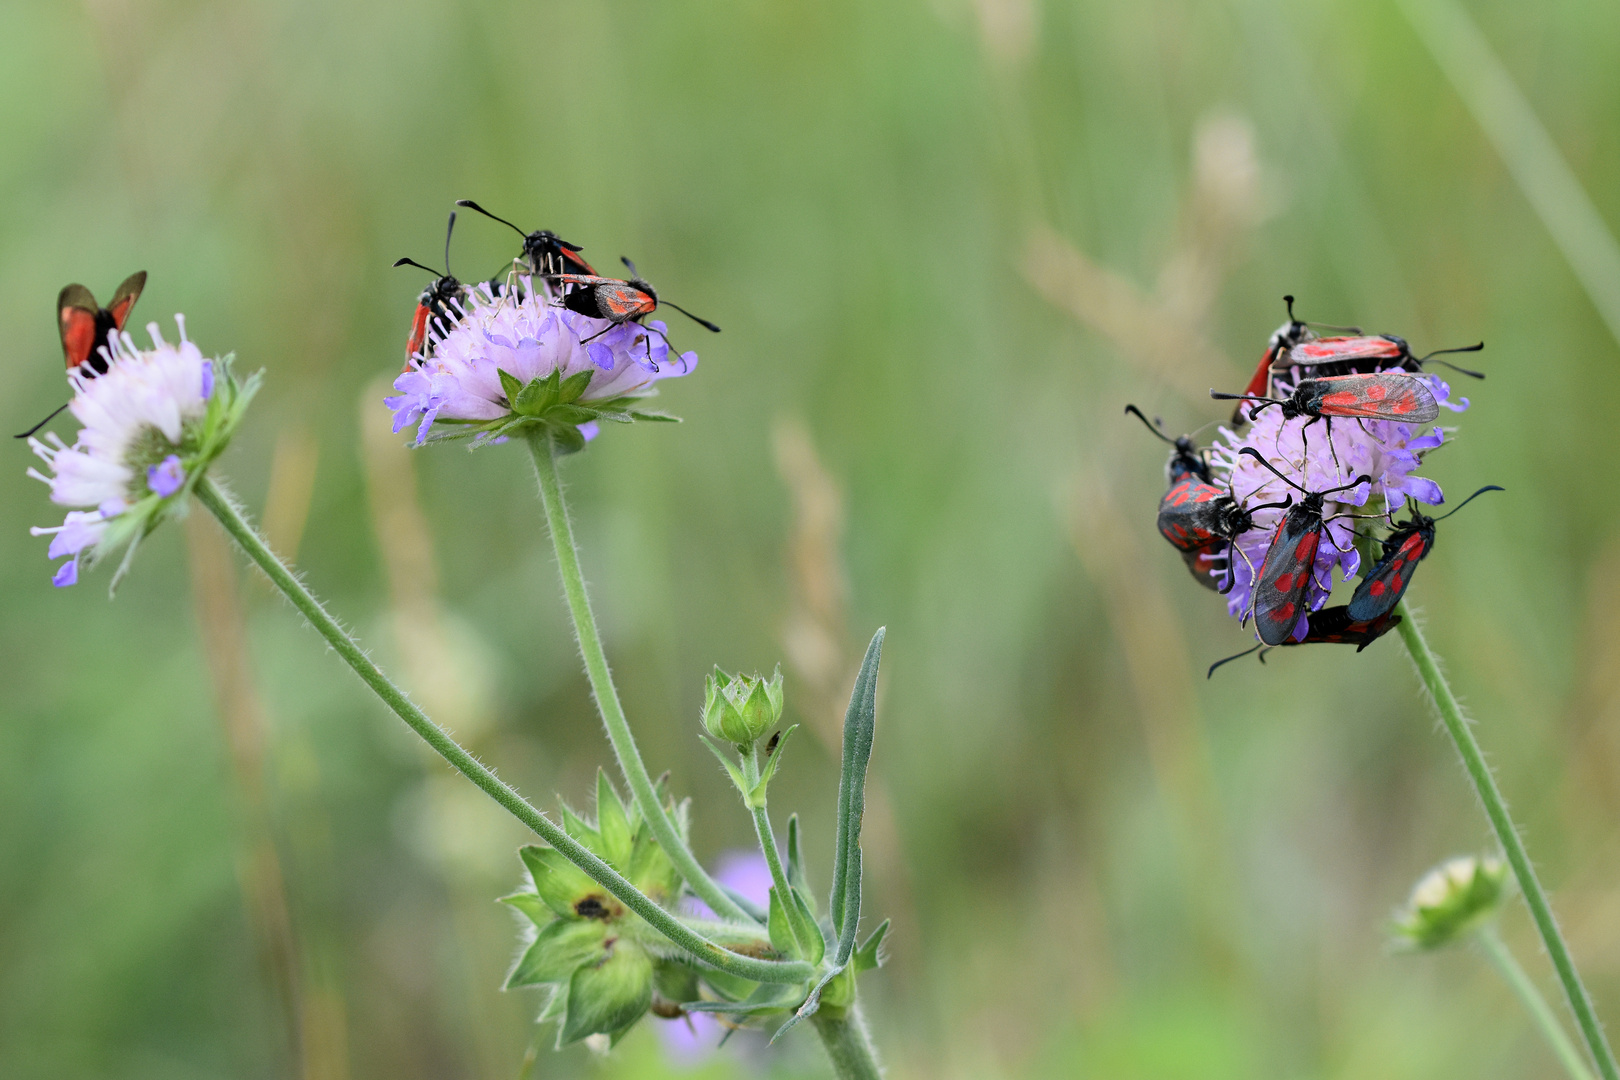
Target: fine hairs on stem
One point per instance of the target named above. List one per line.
(607, 695)
(210, 494)
(1507, 835)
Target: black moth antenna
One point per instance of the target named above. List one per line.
(1454, 367)
(1362, 479)
(65, 404)
(1471, 498)
(1150, 426)
(700, 320)
(1289, 300)
(446, 273)
(1229, 659)
(469, 204)
(1222, 396)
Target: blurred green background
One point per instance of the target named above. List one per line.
(947, 242)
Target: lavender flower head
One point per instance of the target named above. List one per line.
(1385, 450)
(516, 359)
(152, 423)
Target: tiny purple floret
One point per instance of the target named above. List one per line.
(166, 477)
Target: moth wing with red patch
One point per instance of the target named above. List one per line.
(124, 299)
(1381, 396)
(1188, 514)
(1259, 386)
(1386, 582)
(1279, 593)
(76, 311)
(1336, 349)
(621, 301)
(583, 279)
(566, 253)
(418, 336)
(1202, 564)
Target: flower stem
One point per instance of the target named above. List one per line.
(230, 515)
(1536, 1005)
(607, 697)
(762, 829)
(1508, 834)
(844, 1034)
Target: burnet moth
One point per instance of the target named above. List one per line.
(1279, 589)
(1283, 340)
(434, 305)
(1347, 355)
(1201, 521)
(618, 302)
(1384, 395)
(87, 328)
(543, 250)
(1412, 540)
(1185, 457)
(1330, 626)
(1187, 463)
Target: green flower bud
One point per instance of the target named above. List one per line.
(740, 709)
(1451, 901)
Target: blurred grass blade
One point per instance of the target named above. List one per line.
(1528, 151)
(859, 722)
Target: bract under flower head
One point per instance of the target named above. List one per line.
(152, 424)
(1387, 451)
(515, 360)
(1450, 901)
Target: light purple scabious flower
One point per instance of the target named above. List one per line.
(523, 332)
(135, 416)
(1387, 451)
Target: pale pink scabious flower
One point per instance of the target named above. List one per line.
(455, 389)
(152, 423)
(1385, 450)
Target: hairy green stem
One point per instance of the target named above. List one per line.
(844, 1034)
(231, 517)
(1563, 1047)
(607, 697)
(762, 829)
(1507, 834)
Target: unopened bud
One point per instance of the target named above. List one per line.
(740, 709)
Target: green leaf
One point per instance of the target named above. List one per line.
(540, 395)
(510, 387)
(611, 823)
(860, 722)
(607, 997)
(573, 386)
(559, 882)
(805, 928)
(795, 861)
(570, 414)
(561, 947)
(531, 905)
(553, 1008)
(736, 773)
(582, 830)
(656, 417)
(783, 940)
(651, 870)
(568, 440)
(757, 796)
(870, 955)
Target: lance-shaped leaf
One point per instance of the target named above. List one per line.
(612, 824)
(870, 955)
(607, 997)
(559, 950)
(573, 386)
(795, 863)
(559, 882)
(756, 797)
(860, 721)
